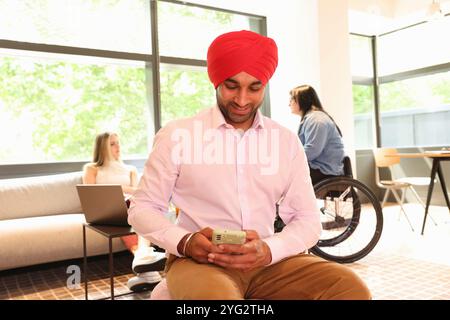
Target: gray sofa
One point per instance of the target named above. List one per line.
(41, 221)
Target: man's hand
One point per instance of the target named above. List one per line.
(254, 253)
(200, 245)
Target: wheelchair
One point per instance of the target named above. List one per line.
(351, 217)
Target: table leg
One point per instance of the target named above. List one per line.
(430, 190)
(444, 188)
(111, 270)
(85, 264)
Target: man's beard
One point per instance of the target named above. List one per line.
(234, 118)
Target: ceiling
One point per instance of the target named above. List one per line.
(379, 16)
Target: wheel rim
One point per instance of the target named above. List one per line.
(358, 227)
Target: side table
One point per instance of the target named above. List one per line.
(109, 232)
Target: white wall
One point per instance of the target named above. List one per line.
(294, 28)
(384, 8)
(313, 44)
(373, 17)
(335, 73)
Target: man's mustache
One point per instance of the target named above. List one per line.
(233, 104)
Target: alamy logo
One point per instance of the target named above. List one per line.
(74, 280)
(212, 146)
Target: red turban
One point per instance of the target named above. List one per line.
(234, 52)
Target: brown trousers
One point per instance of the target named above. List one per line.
(300, 277)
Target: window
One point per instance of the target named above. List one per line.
(184, 91)
(414, 48)
(117, 25)
(363, 114)
(52, 106)
(186, 31)
(363, 107)
(414, 87)
(72, 69)
(416, 111)
(361, 57)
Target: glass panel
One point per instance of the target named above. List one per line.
(52, 107)
(187, 32)
(363, 115)
(363, 105)
(118, 25)
(184, 91)
(413, 48)
(361, 56)
(416, 112)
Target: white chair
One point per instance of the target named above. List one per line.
(393, 185)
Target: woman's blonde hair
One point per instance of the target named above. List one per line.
(102, 149)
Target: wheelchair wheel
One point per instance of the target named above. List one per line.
(351, 217)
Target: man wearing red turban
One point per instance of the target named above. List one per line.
(241, 63)
(234, 52)
(231, 178)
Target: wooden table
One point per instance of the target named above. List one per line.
(436, 168)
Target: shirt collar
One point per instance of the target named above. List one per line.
(258, 122)
(218, 120)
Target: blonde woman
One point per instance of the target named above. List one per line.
(108, 168)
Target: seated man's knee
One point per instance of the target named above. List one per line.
(352, 287)
(212, 294)
(343, 284)
(362, 292)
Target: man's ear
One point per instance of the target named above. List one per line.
(218, 89)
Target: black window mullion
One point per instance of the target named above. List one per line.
(376, 92)
(58, 49)
(155, 65)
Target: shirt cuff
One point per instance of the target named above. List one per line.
(276, 246)
(173, 236)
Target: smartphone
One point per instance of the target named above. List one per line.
(223, 236)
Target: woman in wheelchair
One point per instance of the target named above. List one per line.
(319, 134)
(351, 216)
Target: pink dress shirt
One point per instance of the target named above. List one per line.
(220, 177)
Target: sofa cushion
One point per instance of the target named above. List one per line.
(30, 241)
(39, 196)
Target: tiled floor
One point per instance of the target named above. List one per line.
(404, 265)
(52, 281)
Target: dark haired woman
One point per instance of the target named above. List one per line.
(319, 134)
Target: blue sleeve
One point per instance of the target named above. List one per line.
(316, 133)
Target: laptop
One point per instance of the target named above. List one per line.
(103, 204)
